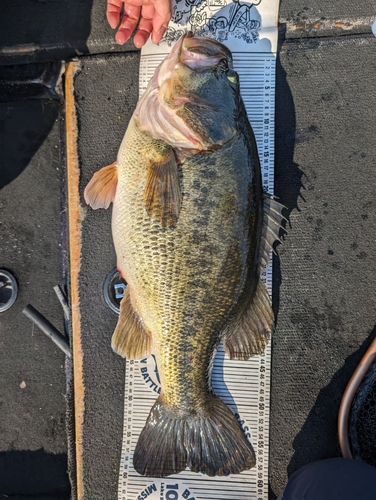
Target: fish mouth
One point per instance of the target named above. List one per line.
(198, 53)
(203, 53)
(158, 109)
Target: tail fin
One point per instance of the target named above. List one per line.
(210, 441)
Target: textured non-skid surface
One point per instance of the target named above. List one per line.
(337, 9)
(325, 284)
(60, 29)
(33, 450)
(324, 280)
(321, 18)
(44, 30)
(106, 91)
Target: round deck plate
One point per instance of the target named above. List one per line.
(8, 290)
(113, 290)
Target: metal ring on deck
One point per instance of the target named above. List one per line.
(113, 290)
(8, 290)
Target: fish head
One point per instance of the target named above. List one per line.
(192, 100)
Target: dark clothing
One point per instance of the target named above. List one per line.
(332, 479)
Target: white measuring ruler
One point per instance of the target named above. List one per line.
(250, 31)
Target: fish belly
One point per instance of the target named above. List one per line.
(185, 281)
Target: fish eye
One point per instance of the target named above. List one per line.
(232, 76)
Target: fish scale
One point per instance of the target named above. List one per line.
(176, 292)
(192, 230)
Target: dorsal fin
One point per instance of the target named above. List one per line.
(100, 191)
(272, 223)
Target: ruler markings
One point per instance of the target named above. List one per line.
(247, 388)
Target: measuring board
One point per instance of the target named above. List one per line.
(250, 32)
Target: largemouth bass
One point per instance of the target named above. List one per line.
(192, 230)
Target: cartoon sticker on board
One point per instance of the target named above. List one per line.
(215, 19)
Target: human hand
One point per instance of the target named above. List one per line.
(153, 17)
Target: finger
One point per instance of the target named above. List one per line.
(145, 27)
(159, 29)
(129, 23)
(113, 12)
(161, 19)
(157, 35)
(163, 9)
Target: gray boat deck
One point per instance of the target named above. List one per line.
(324, 277)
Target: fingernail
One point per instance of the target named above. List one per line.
(120, 38)
(113, 19)
(162, 29)
(137, 43)
(157, 36)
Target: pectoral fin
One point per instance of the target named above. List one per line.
(250, 331)
(130, 338)
(162, 194)
(100, 191)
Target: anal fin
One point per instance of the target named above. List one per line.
(250, 331)
(100, 191)
(130, 338)
(162, 194)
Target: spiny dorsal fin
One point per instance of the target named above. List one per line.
(130, 339)
(272, 224)
(249, 333)
(100, 191)
(162, 195)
